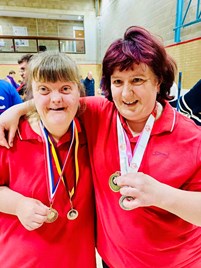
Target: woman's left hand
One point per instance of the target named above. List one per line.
(145, 190)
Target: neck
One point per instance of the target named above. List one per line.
(137, 127)
(56, 133)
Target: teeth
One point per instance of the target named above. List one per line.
(129, 102)
(57, 109)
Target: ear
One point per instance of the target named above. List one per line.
(158, 88)
(158, 83)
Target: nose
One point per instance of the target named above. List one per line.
(56, 97)
(127, 90)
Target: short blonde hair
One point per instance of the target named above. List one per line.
(52, 66)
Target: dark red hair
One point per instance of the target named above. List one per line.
(139, 46)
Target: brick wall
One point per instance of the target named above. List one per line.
(187, 56)
(158, 17)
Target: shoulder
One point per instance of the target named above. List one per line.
(96, 103)
(96, 108)
(7, 90)
(25, 131)
(177, 123)
(5, 84)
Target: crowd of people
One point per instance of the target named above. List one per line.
(143, 155)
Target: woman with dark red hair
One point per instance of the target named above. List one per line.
(145, 159)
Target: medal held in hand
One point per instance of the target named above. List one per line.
(114, 187)
(52, 215)
(130, 161)
(122, 199)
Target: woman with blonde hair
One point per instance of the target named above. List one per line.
(46, 193)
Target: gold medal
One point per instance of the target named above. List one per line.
(113, 186)
(72, 214)
(121, 201)
(52, 215)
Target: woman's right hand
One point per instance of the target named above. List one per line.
(9, 121)
(8, 125)
(32, 213)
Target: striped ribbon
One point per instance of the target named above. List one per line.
(51, 155)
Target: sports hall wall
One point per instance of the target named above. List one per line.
(158, 17)
(106, 20)
(51, 25)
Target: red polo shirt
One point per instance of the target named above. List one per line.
(149, 236)
(63, 243)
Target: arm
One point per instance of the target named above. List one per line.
(9, 121)
(30, 212)
(147, 191)
(189, 103)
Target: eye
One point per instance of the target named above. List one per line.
(65, 89)
(43, 90)
(138, 81)
(117, 82)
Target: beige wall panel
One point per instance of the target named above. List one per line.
(5, 68)
(187, 56)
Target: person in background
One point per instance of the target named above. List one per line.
(147, 194)
(11, 79)
(89, 84)
(23, 63)
(46, 200)
(8, 96)
(190, 103)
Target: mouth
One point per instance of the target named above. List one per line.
(130, 102)
(57, 109)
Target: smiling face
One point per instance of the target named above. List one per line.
(134, 93)
(56, 104)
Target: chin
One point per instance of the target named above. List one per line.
(128, 115)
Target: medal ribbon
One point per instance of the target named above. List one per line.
(51, 153)
(131, 162)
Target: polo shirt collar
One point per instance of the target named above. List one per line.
(25, 132)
